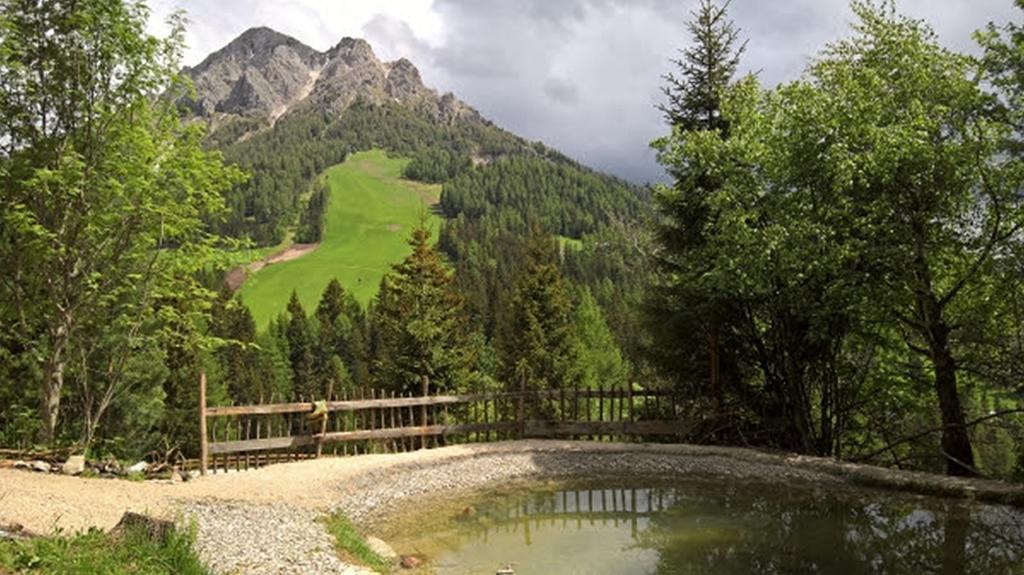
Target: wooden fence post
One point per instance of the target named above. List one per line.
(323, 420)
(204, 449)
(522, 405)
(423, 410)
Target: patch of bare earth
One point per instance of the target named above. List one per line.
(237, 276)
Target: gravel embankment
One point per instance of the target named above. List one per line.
(374, 495)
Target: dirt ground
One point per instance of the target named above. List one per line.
(236, 277)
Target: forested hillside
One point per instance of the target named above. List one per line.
(834, 269)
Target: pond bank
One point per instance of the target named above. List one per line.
(232, 510)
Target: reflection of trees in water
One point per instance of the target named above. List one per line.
(780, 531)
(737, 528)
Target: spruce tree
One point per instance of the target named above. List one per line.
(704, 69)
(689, 327)
(538, 344)
(418, 318)
(335, 330)
(300, 350)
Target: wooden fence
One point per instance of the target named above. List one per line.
(371, 421)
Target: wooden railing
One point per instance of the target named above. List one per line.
(371, 421)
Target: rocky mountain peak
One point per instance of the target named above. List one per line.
(353, 50)
(263, 73)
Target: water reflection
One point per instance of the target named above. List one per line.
(719, 528)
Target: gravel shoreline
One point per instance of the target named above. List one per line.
(266, 521)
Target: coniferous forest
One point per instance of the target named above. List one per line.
(835, 266)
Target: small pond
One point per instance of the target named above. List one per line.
(709, 527)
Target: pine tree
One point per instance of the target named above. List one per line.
(704, 70)
(335, 331)
(300, 350)
(687, 324)
(538, 344)
(418, 317)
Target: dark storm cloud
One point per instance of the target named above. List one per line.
(585, 75)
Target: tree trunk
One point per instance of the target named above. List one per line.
(53, 386)
(956, 444)
(716, 376)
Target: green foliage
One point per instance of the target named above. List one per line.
(300, 337)
(561, 198)
(105, 194)
(311, 224)
(538, 343)
(436, 166)
(369, 214)
(341, 340)
(418, 319)
(94, 552)
(842, 221)
(600, 361)
(352, 545)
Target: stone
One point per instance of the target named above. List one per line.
(155, 529)
(139, 467)
(410, 562)
(381, 548)
(74, 465)
(41, 466)
(19, 464)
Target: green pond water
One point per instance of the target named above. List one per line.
(710, 527)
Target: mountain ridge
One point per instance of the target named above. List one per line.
(262, 74)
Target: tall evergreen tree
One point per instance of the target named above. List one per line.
(538, 344)
(301, 345)
(339, 336)
(231, 321)
(704, 69)
(418, 317)
(687, 323)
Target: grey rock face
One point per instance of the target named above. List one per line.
(262, 74)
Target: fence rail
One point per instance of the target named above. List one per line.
(247, 436)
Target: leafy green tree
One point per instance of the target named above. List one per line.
(104, 192)
(418, 317)
(600, 360)
(858, 216)
(919, 160)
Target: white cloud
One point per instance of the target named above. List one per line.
(317, 23)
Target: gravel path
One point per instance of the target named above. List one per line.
(264, 539)
(264, 521)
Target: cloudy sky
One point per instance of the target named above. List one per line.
(580, 75)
